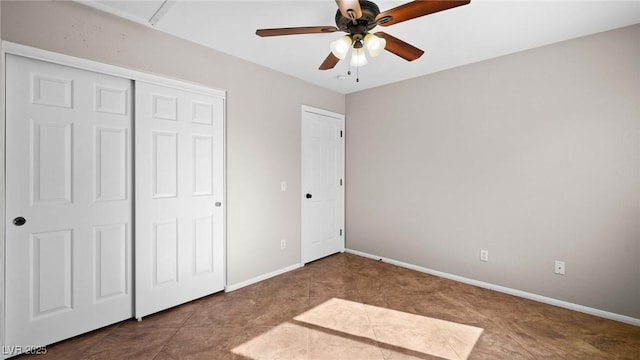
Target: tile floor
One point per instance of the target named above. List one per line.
(348, 307)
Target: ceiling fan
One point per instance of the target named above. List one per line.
(357, 19)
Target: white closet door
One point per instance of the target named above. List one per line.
(322, 183)
(179, 193)
(68, 201)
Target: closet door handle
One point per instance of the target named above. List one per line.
(309, 196)
(19, 221)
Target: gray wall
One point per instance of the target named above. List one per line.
(263, 117)
(533, 156)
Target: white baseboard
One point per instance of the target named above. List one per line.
(506, 290)
(262, 277)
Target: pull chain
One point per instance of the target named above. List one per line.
(349, 63)
(357, 67)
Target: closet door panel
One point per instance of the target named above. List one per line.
(179, 195)
(69, 178)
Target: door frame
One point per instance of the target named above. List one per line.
(98, 67)
(314, 110)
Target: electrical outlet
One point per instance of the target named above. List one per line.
(283, 244)
(484, 255)
(559, 269)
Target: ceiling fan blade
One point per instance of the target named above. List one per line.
(346, 5)
(329, 62)
(399, 47)
(416, 9)
(296, 30)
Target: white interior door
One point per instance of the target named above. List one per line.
(179, 196)
(68, 202)
(322, 183)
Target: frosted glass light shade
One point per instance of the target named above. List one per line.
(374, 44)
(340, 47)
(358, 58)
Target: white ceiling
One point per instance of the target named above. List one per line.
(481, 30)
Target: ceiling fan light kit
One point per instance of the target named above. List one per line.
(340, 47)
(374, 44)
(357, 19)
(358, 58)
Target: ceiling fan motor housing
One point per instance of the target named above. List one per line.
(362, 25)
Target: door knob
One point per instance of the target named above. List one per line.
(218, 204)
(19, 221)
(309, 196)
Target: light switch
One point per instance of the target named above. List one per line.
(283, 186)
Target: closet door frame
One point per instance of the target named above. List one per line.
(84, 64)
